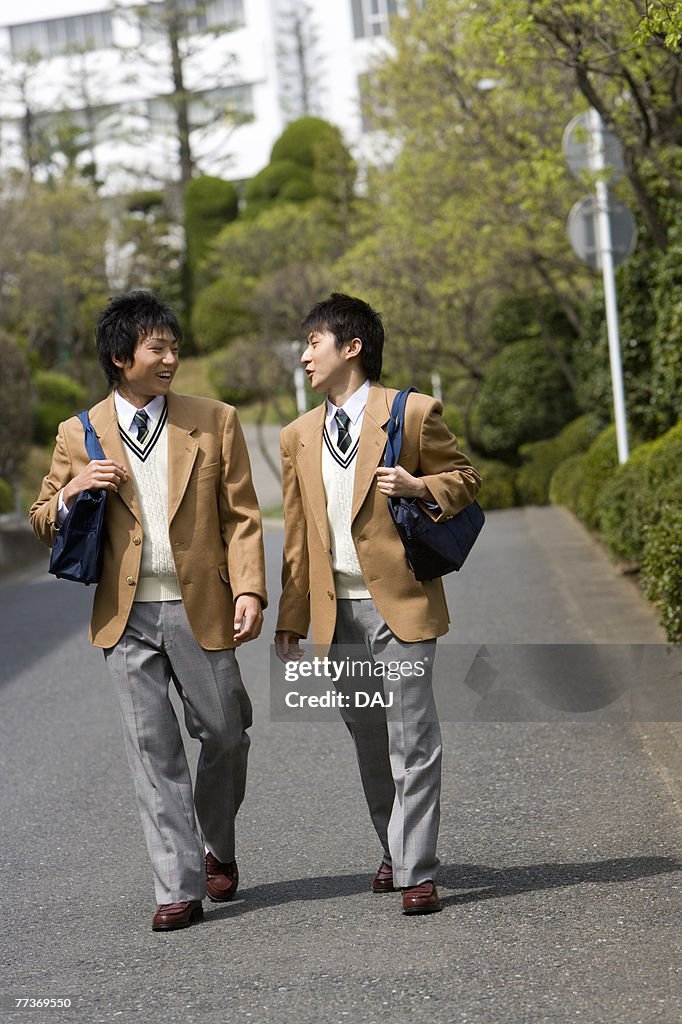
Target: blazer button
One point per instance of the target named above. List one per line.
(330, 595)
(137, 540)
(130, 581)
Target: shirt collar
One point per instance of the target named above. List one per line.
(353, 406)
(125, 411)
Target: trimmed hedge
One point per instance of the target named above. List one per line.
(524, 397)
(630, 500)
(541, 459)
(58, 398)
(6, 496)
(497, 488)
(662, 561)
(638, 508)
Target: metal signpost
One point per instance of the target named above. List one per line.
(602, 233)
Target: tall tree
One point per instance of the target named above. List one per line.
(298, 59)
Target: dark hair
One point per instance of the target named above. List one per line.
(346, 318)
(126, 320)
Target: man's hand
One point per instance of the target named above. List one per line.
(248, 617)
(287, 646)
(396, 482)
(100, 473)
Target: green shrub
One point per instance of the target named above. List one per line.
(601, 462)
(308, 160)
(16, 399)
(57, 398)
(630, 500)
(662, 562)
(453, 420)
(564, 487)
(497, 489)
(249, 371)
(220, 315)
(524, 397)
(541, 458)
(210, 204)
(6, 496)
(579, 480)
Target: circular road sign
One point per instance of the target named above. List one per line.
(583, 236)
(577, 147)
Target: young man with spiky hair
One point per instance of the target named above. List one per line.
(345, 572)
(182, 585)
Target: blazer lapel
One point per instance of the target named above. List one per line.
(182, 451)
(372, 444)
(105, 421)
(309, 464)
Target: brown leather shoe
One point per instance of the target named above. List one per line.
(170, 916)
(421, 899)
(221, 879)
(383, 880)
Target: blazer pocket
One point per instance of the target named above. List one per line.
(208, 469)
(224, 575)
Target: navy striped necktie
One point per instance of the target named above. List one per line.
(141, 421)
(343, 438)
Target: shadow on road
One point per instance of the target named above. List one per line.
(486, 882)
(491, 883)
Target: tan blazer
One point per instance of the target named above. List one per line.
(412, 610)
(214, 521)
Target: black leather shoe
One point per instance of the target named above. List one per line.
(383, 880)
(221, 879)
(421, 899)
(170, 916)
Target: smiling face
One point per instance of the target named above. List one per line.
(152, 370)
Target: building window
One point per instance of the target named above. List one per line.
(371, 17)
(61, 35)
(200, 16)
(204, 108)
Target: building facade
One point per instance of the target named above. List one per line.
(94, 84)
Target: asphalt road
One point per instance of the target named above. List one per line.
(561, 838)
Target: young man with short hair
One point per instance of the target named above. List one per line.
(182, 585)
(345, 572)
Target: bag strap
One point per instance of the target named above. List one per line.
(92, 445)
(394, 432)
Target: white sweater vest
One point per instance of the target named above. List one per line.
(338, 482)
(158, 580)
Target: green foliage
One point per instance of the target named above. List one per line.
(210, 204)
(524, 397)
(220, 315)
(15, 402)
(519, 315)
(144, 247)
(662, 562)
(497, 489)
(308, 160)
(6, 496)
(630, 501)
(541, 458)
(579, 481)
(565, 482)
(453, 420)
(52, 264)
(57, 398)
(267, 272)
(249, 371)
(650, 321)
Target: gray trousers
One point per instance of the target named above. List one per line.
(398, 747)
(158, 648)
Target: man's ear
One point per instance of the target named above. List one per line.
(353, 348)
